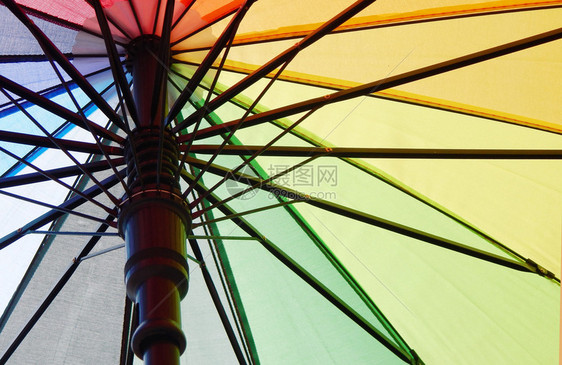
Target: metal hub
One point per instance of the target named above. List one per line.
(152, 160)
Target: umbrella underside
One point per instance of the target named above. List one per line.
(369, 182)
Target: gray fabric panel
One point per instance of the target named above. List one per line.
(84, 323)
(17, 40)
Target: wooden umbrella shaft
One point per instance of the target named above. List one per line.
(154, 219)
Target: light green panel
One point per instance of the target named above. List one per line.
(446, 305)
(356, 189)
(515, 202)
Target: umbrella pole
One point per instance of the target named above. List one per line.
(154, 221)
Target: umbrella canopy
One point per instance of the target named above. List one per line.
(321, 182)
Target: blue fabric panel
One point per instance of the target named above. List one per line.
(36, 76)
(15, 121)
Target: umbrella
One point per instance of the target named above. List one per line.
(300, 182)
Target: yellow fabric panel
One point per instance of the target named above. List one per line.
(511, 84)
(264, 14)
(393, 94)
(515, 202)
(363, 22)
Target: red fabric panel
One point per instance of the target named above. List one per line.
(74, 11)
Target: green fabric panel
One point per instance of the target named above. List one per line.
(290, 322)
(307, 228)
